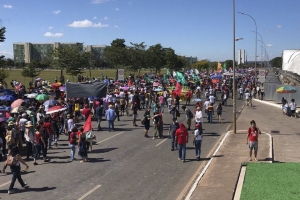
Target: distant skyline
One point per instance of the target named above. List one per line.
(199, 28)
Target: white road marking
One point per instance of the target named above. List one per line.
(239, 186)
(188, 196)
(243, 106)
(228, 127)
(5, 184)
(161, 142)
(89, 192)
(240, 111)
(110, 137)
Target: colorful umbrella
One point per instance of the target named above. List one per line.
(17, 103)
(55, 85)
(18, 109)
(6, 92)
(284, 89)
(31, 96)
(50, 102)
(42, 97)
(62, 88)
(55, 109)
(3, 119)
(8, 98)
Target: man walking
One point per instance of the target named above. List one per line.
(188, 115)
(98, 114)
(252, 139)
(110, 117)
(172, 129)
(181, 138)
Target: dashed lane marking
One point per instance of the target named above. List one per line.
(110, 137)
(161, 142)
(89, 192)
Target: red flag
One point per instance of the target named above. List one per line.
(178, 89)
(87, 125)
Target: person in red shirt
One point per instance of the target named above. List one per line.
(86, 111)
(72, 143)
(188, 97)
(252, 139)
(181, 138)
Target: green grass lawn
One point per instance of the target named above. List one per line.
(51, 74)
(276, 181)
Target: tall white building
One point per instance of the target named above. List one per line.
(241, 56)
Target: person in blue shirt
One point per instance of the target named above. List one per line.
(110, 117)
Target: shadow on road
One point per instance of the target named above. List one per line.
(31, 189)
(103, 150)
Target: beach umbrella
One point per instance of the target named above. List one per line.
(18, 109)
(55, 109)
(3, 119)
(17, 103)
(42, 97)
(50, 102)
(38, 79)
(6, 92)
(157, 90)
(32, 96)
(284, 89)
(55, 85)
(8, 98)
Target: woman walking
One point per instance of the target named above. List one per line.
(146, 120)
(39, 141)
(198, 140)
(29, 133)
(219, 111)
(210, 112)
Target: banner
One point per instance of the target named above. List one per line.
(121, 74)
(77, 90)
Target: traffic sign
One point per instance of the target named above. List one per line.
(121, 74)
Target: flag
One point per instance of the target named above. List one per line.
(180, 78)
(87, 125)
(219, 66)
(224, 66)
(196, 71)
(168, 72)
(178, 89)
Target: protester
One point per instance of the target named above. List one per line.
(146, 121)
(172, 130)
(181, 139)
(82, 149)
(72, 143)
(29, 138)
(252, 139)
(210, 112)
(219, 111)
(198, 133)
(188, 115)
(110, 117)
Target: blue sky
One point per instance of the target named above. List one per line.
(201, 28)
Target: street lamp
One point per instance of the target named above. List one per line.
(233, 68)
(261, 44)
(255, 41)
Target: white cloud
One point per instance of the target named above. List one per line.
(7, 54)
(99, 1)
(49, 34)
(105, 18)
(269, 45)
(50, 27)
(117, 9)
(94, 18)
(8, 6)
(278, 26)
(86, 23)
(56, 12)
(116, 26)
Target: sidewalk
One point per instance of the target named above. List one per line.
(220, 178)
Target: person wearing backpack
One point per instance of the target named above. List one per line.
(198, 140)
(181, 139)
(13, 160)
(13, 138)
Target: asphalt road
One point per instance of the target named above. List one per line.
(123, 165)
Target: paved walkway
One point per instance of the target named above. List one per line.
(219, 181)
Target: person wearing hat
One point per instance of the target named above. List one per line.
(198, 140)
(29, 138)
(15, 142)
(110, 117)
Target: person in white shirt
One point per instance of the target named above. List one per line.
(198, 116)
(71, 124)
(169, 101)
(211, 99)
(241, 90)
(293, 107)
(198, 140)
(122, 94)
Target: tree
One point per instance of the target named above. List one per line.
(69, 58)
(276, 62)
(201, 65)
(181, 62)
(2, 39)
(155, 57)
(31, 70)
(116, 54)
(89, 60)
(10, 62)
(3, 75)
(136, 56)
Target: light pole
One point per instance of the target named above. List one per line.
(255, 42)
(261, 40)
(233, 68)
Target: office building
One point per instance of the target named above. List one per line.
(96, 49)
(190, 59)
(241, 56)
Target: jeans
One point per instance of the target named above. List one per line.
(110, 125)
(209, 117)
(198, 147)
(44, 150)
(181, 151)
(162, 108)
(241, 96)
(72, 147)
(56, 137)
(99, 119)
(50, 140)
(29, 149)
(38, 149)
(16, 175)
(172, 140)
(177, 104)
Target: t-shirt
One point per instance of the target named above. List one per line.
(86, 112)
(161, 99)
(247, 95)
(77, 107)
(173, 127)
(212, 99)
(253, 134)
(169, 100)
(293, 105)
(198, 135)
(37, 138)
(206, 103)
(156, 119)
(181, 136)
(73, 138)
(22, 124)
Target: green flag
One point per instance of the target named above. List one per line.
(224, 66)
(180, 78)
(168, 73)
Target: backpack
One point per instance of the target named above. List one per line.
(191, 114)
(9, 138)
(11, 160)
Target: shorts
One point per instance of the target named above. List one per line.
(253, 145)
(189, 121)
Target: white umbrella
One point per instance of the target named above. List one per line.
(32, 96)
